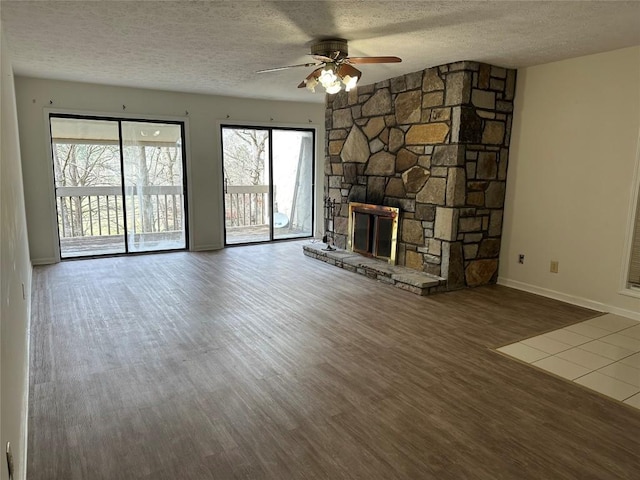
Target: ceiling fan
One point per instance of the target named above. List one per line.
(335, 67)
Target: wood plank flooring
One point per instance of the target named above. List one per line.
(260, 363)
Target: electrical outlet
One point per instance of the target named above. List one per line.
(554, 266)
(521, 258)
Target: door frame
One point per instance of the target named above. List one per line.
(270, 129)
(182, 122)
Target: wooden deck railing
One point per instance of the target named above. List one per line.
(246, 205)
(97, 211)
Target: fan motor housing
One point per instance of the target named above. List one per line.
(328, 48)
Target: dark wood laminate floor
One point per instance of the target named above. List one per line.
(260, 363)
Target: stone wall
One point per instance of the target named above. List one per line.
(434, 143)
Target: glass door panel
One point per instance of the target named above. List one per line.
(292, 183)
(247, 200)
(88, 183)
(153, 186)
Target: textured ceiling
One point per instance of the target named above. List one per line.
(216, 46)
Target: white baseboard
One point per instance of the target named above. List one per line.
(22, 471)
(572, 299)
(206, 248)
(25, 413)
(43, 261)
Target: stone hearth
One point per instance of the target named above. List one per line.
(398, 276)
(435, 144)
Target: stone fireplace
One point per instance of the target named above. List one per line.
(435, 145)
(373, 231)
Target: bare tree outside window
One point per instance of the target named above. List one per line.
(83, 165)
(245, 151)
(146, 166)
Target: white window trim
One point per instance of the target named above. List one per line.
(53, 212)
(625, 289)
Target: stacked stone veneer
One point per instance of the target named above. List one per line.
(435, 144)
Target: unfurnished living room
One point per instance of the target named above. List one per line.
(320, 240)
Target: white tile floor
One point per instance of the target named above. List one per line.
(602, 354)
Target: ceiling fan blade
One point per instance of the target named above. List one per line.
(276, 69)
(374, 59)
(346, 69)
(314, 74)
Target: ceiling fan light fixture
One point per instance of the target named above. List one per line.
(329, 80)
(349, 82)
(334, 87)
(335, 66)
(311, 83)
(328, 76)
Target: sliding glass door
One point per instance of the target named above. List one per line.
(247, 199)
(292, 180)
(154, 186)
(88, 181)
(119, 185)
(268, 183)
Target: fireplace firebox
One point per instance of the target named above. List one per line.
(373, 230)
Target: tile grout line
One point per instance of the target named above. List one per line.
(577, 347)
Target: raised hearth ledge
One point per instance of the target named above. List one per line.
(402, 277)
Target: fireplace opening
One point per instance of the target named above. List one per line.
(373, 230)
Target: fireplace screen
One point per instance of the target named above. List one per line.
(373, 230)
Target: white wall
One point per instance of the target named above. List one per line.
(573, 152)
(15, 272)
(203, 143)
